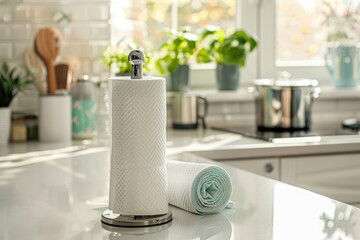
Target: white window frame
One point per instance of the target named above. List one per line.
(267, 34)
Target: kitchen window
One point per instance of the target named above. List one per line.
(291, 37)
(145, 20)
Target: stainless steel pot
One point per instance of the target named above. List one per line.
(186, 110)
(284, 104)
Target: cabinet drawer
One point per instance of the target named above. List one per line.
(335, 176)
(268, 167)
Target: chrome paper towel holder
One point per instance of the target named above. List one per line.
(136, 58)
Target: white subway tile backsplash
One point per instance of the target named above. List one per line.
(21, 31)
(28, 100)
(100, 31)
(215, 108)
(248, 107)
(345, 105)
(19, 48)
(5, 32)
(85, 67)
(35, 13)
(324, 106)
(78, 12)
(6, 50)
(79, 49)
(44, 13)
(214, 119)
(86, 31)
(97, 48)
(5, 13)
(23, 13)
(231, 108)
(85, 36)
(84, 49)
(37, 26)
(98, 68)
(331, 118)
(100, 12)
(324, 113)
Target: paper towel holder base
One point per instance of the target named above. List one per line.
(114, 219)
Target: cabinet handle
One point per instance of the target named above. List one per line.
(269, 168)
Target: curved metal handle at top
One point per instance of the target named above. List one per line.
(202, 117)
(136, 58)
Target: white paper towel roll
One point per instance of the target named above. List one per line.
(138, 180)
(198, 187)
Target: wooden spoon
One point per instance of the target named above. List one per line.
(35, 66)
(62, 76)
(47, 46)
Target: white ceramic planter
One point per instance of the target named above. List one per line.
(5, 117)
(55, 118)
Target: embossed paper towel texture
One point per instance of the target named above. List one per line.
(138, 181)
(198, 187)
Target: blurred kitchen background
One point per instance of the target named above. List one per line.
(291, 37)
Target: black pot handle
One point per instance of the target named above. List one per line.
(202, 117)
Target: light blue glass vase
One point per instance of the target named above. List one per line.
(343, 64)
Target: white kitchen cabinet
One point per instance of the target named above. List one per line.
(268, 167)
(335, 176)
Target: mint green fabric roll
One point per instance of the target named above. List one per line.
(197, 187)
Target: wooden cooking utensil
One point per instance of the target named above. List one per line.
(74, 65)
(47, 46)
(35, 66)
(62, 76)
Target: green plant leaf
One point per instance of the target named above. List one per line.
(178, 49)
(227, 49)
(11, 84)
(208, 30)
(203, 56)
(5, 68)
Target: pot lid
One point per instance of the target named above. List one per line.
(284, 82)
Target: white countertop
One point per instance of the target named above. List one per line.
(60, 191)
(219, 145)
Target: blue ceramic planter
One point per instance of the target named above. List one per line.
(227, 77)
(343, 64)
(178, 80)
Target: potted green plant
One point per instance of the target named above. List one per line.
(11, 83)
(228, 51)
(116, 57)
(173, 58)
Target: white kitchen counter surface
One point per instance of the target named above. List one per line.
(219, 145)
(210, 143)
(61, 196)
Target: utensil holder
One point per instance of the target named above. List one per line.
(55, 118)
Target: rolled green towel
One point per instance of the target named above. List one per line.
(197, 187)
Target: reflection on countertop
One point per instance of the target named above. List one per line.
(199, 141)
(62, 195)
